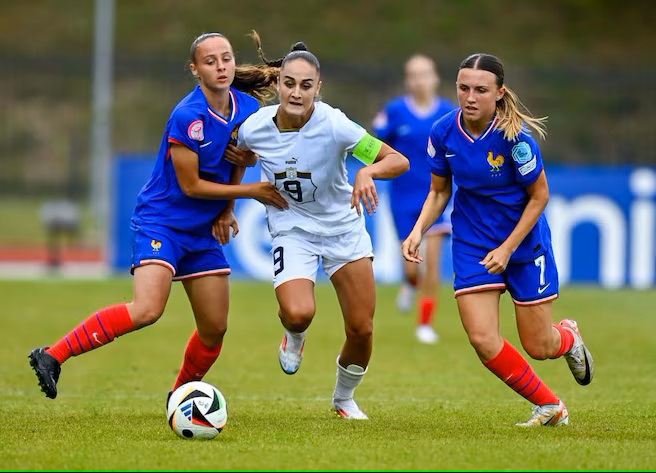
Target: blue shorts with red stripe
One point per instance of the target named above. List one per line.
(528, 282)
(186, 255)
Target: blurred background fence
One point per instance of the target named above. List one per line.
(587, 65)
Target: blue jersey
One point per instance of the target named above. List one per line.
(491, 174)
(194, 124)
(405, 129)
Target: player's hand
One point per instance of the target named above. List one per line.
(239, 157)
(364, 189)
(223, 222)
(266, 193)
(496, 261)
(410, 247)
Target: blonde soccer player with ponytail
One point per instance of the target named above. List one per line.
(501, 238)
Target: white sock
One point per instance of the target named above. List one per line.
(295, 339)
(347, 380)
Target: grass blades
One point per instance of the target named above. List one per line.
(431, 407)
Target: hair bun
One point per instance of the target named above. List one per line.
(299, 46)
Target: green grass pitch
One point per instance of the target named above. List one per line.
(431, 407)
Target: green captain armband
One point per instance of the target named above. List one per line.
(367, 149)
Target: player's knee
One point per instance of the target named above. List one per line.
(297, 317)
(212, 336)
(361, 331)
(143, 315)
(485, 344)
(213, 332)
(297, 325)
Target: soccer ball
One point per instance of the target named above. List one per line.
(197, 410)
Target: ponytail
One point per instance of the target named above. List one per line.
(258, 80)
(513, 115)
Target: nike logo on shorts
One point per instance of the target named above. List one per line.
(542, 289)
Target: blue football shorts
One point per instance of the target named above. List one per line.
(186, 255)
(528, 282)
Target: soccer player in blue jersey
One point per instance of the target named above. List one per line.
(501, 238)
(404, 123)
(191, 187)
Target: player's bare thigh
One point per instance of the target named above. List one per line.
(152, 286)
(479, 313)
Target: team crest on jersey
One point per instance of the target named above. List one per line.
(155, 245)
(495, 162)
(291, 172)
(431, 149)
(233, 135)
(298, 185)
(195, 130)
(521, 152)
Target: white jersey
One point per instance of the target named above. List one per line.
(308, 167)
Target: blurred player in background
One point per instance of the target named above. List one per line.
(192, 186)
(405, 123)
(302, 146)
(501, 238)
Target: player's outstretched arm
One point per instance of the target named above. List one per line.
(185, 162)
(385, 163)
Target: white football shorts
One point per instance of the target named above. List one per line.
(297, 253)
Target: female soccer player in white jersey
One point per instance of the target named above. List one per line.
(501, 238)
(192, 184)
(302, 145)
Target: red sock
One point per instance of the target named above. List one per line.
(426, 308)
(96, 330)
(513, 369)
(198, 359)
(566, 340)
